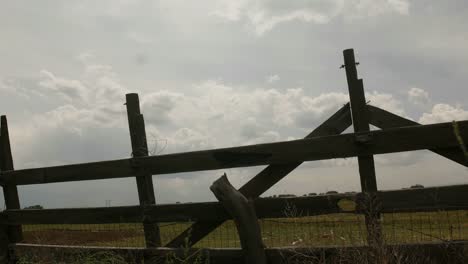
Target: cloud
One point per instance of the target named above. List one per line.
(400, 6)
(97, 87)
(158, 106)
(400, 159)
(370, 8)
(215, 114)
(310, 110)
(307, 111)
(272, 78)
(200, 69)
(264, 15)
(69, 89)
(76, 112)
(206, 115)
(3, 85)
(386, 101)
(163, 141)
(418, 96)
(264, 24)
(85, 57)
(444, 113)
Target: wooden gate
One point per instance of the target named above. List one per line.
(396, 134)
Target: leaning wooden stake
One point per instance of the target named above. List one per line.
(243, 213)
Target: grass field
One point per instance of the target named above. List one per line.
(336, 229)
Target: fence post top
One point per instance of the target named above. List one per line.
(132, 97)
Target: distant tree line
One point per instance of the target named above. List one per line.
(37, 206)
(416, 186)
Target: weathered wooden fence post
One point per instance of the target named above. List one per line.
(245, 218)
(360, 118)
(144, 180)
(10, 234)
(4, 245)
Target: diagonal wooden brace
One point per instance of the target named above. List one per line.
(268, 177)
(384, 119)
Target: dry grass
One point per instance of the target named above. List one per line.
(324, 230)
(295, 232)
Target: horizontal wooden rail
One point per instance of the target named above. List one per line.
(415, 200)
(436, 136)
(448, 252)
(384, 120)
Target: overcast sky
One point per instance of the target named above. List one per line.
(222, 73)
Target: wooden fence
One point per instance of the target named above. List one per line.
(396, 134)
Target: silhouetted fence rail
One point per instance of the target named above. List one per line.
(410, 200)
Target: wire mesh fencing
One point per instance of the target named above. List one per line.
(323, 230)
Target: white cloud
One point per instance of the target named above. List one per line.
(64, 116)
(263, 24)
(231, 10)
(3, 85)
(370, 8)
(97, 87)
(69, 89)
(78, 110)
(444, 113)
(400, 6)
(310, 110)
(188, 139)
(386, 101)
(85, 57)
(418, 96)
(400, 159)
(215, 114)
(264, 15)
(273, 78)
(158, 106)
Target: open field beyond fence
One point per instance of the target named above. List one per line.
(324, 230)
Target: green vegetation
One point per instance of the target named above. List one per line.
(335, 229)
(307, 231)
